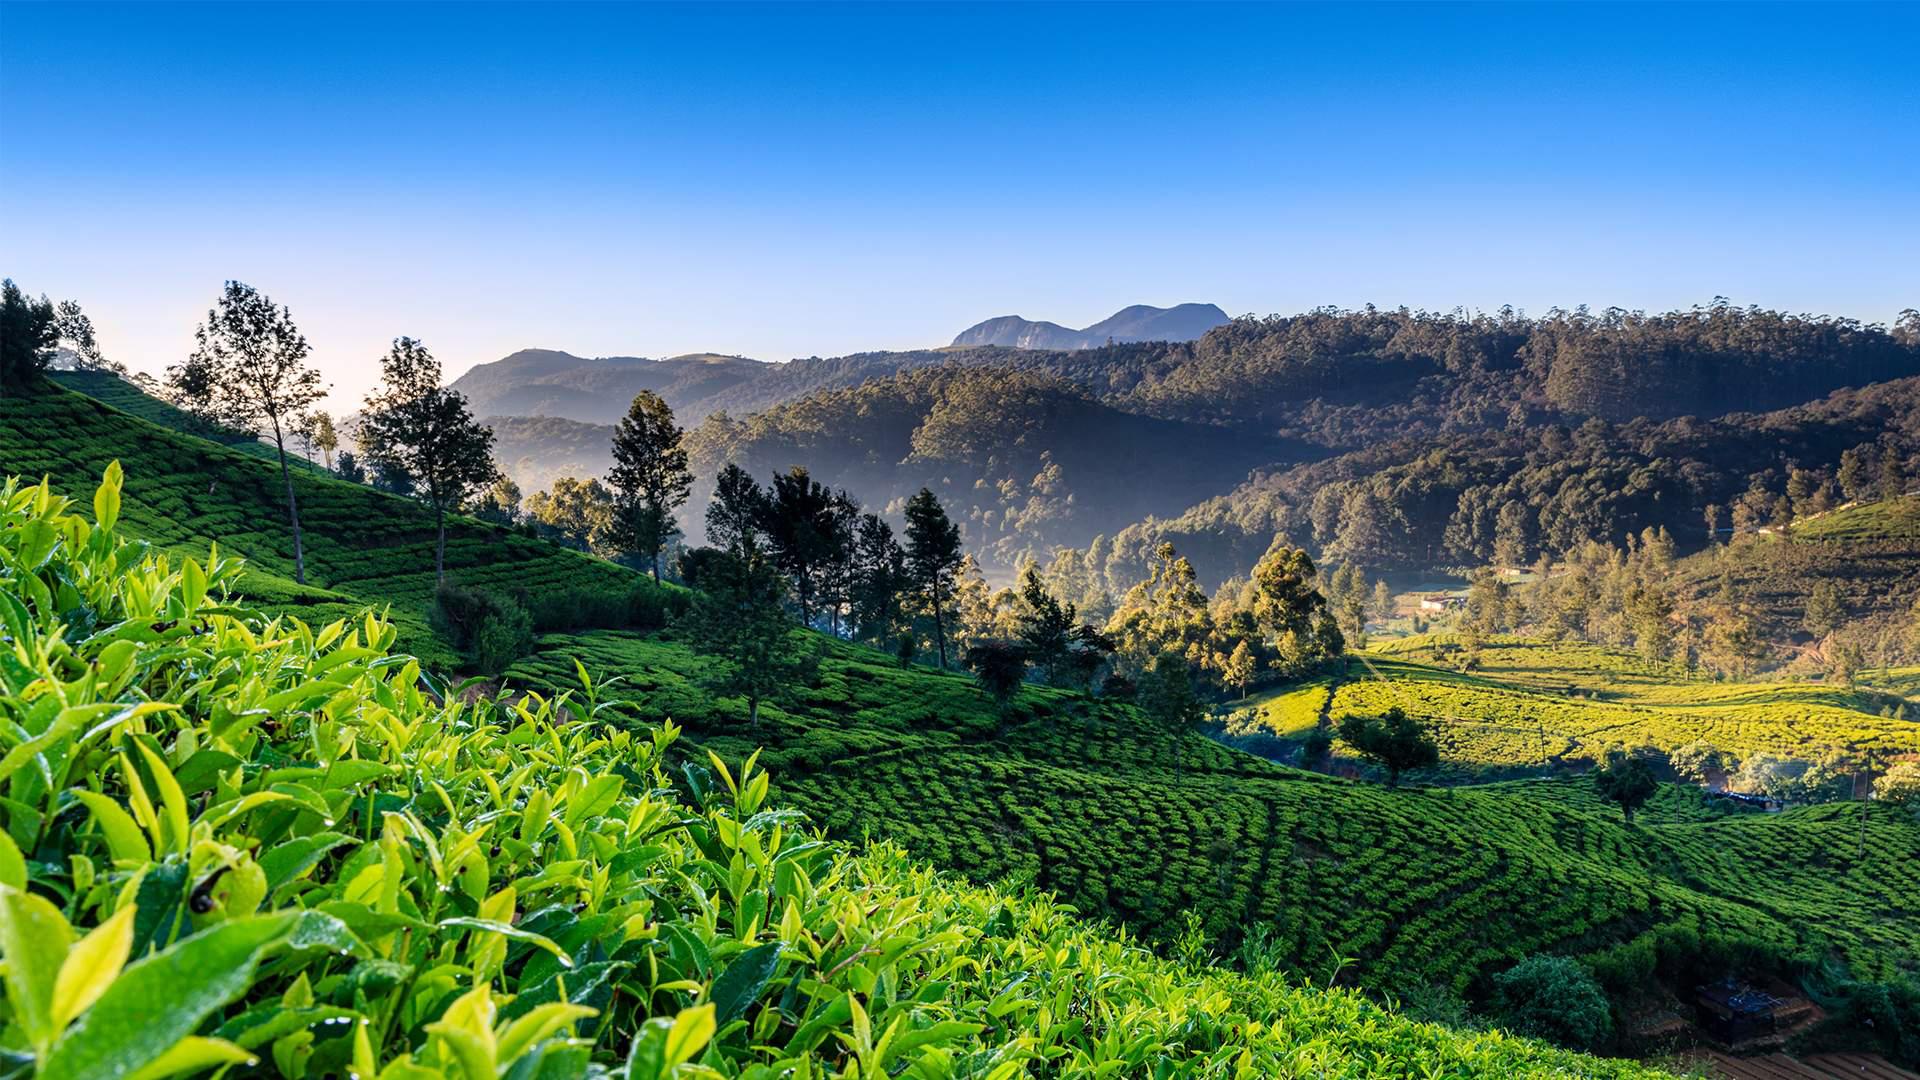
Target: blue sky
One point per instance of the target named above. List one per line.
(793, 180)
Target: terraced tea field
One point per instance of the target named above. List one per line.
(363, 547)
(1537, 705)
(1435, 887)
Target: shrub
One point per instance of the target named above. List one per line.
(644, 606)
(1554, 998)
(490, 629)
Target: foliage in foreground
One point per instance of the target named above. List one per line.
(247, 844)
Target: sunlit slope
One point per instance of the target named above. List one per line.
(363, 547)
(1419, 888)
(1530, 704)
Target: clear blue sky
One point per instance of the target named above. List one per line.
(790, 180)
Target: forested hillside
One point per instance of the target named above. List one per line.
(1029, 460)
(1513, 494)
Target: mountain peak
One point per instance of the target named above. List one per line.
(1140, 322)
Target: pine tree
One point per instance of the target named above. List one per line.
(933, 556)
(649, 478)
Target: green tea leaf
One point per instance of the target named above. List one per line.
(34, 938)
(741, 984)
(161, 1000)
(91, 966)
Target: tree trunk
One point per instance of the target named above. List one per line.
(939, 632)
(293, 506)
(656, 564)
(440, 545)
(753, 711)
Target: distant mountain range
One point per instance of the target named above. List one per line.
(597, 390)
(547, 382)
(1185, 322)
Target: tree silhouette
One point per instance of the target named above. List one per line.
(999, 667)
(1166, 695)
(1394, 740)
(1626, 781)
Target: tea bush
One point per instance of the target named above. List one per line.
(492, 630)
(1556, 999)
(243, 846)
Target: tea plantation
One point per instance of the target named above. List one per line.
(247, 848)
(363, 547)
(1533, 704)
(1417, 889)
(1414, 892)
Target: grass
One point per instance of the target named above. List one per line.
(1539, 703)
(1888, 519)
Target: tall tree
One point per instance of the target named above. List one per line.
(326, 438)
(575, 512)
(249, 369)
(879, 579)
(1047, 628)
(1166, 695)
(739, 621)
(29, 330)
(650, 479)
(737, 509)
(414, 425)
(500, 503)
(837, 566)
(799, 526)
(1166, 612)
(933, 556)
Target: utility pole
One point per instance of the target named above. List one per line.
(1865, 810)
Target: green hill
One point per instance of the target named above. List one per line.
(1888, 519)
(1530, 704)
(1421, 889)
(363, 547)
(1417, 892)
(317, 864)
